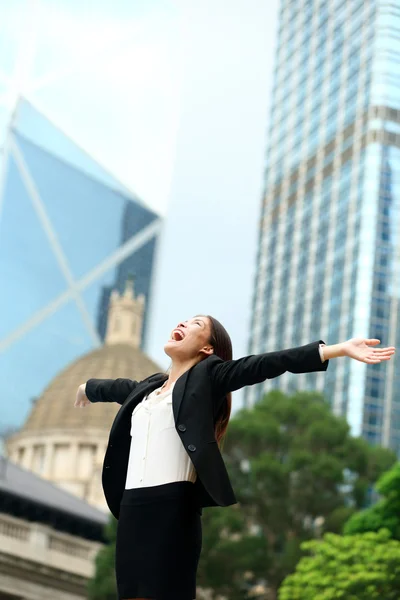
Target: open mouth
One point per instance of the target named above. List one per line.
(177, 335)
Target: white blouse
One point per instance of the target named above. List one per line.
(157, 455)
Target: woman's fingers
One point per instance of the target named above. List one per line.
(372, 342)
(377, 360)
(391, 349)
(81, 403)
(382, 354)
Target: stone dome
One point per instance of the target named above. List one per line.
(55, 408)
(64, 444)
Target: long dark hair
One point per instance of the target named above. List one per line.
(222, 344)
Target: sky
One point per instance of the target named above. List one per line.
(172, 96)
(208, 249)
(107, 74)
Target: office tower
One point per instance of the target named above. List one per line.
(69, 232)
(328, 255)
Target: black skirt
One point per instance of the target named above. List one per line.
(158, 542)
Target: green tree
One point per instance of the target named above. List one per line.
(360, 567)
(385, 513)
(297, 472)
(232, 557)
(103, 585)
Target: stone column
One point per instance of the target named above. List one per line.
(74, 460)
(48, 460)
(13, 455)
(28, 457)
(100, 452)
(73, 482)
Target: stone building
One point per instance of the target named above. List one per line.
(66, 445)
(48, 538)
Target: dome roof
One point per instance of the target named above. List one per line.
(55, 408)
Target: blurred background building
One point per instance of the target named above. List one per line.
(66, 445)
(329, 246)
(136, 87)
(69, 233)
(48, 538)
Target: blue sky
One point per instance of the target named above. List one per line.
(172, 96)
(209, 246)
(110, 77)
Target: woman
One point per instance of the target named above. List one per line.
(157, 485)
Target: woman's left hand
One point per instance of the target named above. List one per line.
(363, 350)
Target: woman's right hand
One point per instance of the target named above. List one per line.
(81, 399)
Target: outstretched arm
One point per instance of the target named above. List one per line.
(360, 349)
(104, 390)
(228, 376)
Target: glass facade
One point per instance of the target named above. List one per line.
(69, 233)
(329, 254)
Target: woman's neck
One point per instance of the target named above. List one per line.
(178, 369)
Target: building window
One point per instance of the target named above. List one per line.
(86, 460)
(61, 461)
(20, 456)
(38, 459)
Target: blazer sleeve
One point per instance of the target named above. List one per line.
(228, 376)
(109, 390)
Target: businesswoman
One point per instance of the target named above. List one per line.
(163, 460)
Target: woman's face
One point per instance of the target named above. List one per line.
(190, 339)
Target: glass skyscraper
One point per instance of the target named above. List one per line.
(328, 261)
(69, 233)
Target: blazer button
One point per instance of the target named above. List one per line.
(191, 448)
(182, 427)
(107, 466)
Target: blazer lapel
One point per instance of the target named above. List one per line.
(178, 393)
(147, 386)
(140, 391)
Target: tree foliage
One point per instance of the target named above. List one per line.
(297, 473)
(360, 567)
(227, 543)
(385, 513)
(103, 585)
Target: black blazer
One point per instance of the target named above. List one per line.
(196, 399)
